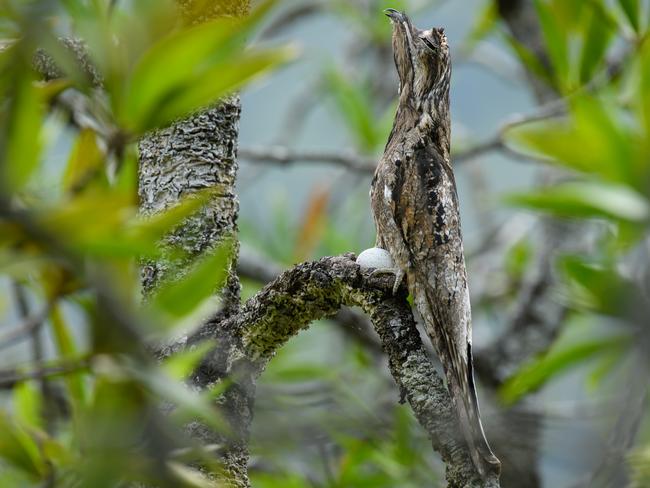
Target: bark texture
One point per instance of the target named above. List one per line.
(193, 154)
(197, 153)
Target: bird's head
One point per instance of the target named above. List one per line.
(422, 60)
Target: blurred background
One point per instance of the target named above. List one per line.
(310, 136)
(550, 107)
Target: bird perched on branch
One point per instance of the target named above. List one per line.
(415, 208)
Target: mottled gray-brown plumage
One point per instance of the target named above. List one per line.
(415, 207)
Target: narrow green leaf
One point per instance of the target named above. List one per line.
(27, 405)
(179, 297)
(94, 223)
(19, 449)
(591, 140)
(188, 403)
(529, 60)
(153, 227)
(219, 80)
(597, 36)
(301, 372)
(171, 63)
(601, 288)
(23, 144)
(356, 110)
(181, 364)
(556, 41)
(193, 57)
(64, 342)
(585, 200)
(485, 22)
(518, 258)
(539, 371)
(85, 161)
(606, 364)
(643, 93)
(632, 10)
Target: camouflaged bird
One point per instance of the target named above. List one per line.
(415, 208)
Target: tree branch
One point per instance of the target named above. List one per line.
(285, 156)
(315, 290)
(351, 322)
(29, 324)
(9, 378)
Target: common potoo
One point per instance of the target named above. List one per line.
(415, 208)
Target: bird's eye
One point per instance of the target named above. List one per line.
(430, 44)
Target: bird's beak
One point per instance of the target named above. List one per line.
(394, 15)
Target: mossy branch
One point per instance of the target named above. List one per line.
(318, 289)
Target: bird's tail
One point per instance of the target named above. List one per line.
(459, 372)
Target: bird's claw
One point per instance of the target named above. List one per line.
(398, 273)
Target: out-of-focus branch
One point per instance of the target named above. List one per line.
(36, 341)
(315, 290)
(9, 378)
(290, 17)
(285, 156)
(29, 324)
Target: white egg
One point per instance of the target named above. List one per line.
(375, 257)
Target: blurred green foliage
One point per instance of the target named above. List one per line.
(89, 414)
(597, 138)
(603, 142)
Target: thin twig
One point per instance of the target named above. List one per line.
(9, 378)
(28, 325)
(290, 17)
(285, 156)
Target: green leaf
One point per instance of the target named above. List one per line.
(104, 223)
(300, 372)
(188, 404)
(152, 228)
(539, 371)
(218, 81)
(485, 22)
(606, 364)
(27, 405)
(86, 160)
(23, 144)
(597, 36)
(94, 223)
(556, 41)
(592, 141)
(193, 67)
(356, 110)
(643, 94)
(179, 297)
(529, 59)
(19, 449)
(632, 10)
(518, 258)
(66, 348)
(586, 200)
(181, 364)
(601, 288)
